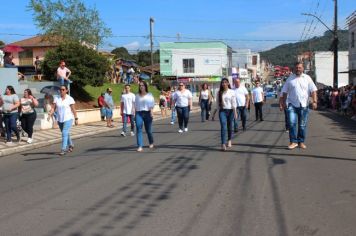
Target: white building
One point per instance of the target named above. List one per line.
(323, 65)
(351, 21)
(244, 58)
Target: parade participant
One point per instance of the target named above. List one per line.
(257, 98)
(204, 100)
(10, 107)
(28, 113)
(242, 101)
(226, 104)
(298, 88)
(101, 104)
(128, 110)
(144, 104)
(63, 74)
(173, 108)
(182, 100)
(109, 107)
(64, 106)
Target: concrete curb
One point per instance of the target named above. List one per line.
(26, 147)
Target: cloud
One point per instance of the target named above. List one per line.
(133, 45)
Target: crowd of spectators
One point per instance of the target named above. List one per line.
(342, 100)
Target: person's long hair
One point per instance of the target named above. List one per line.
(139, 87)
(12, 90)
(221, 91)
(29, 92)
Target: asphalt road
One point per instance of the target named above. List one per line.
(186, 185)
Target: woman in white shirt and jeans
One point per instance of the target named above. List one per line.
(144, 104)
(182, 100)
(226, 104)
(64, 105)
(204, 100)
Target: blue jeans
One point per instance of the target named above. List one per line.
(173, 117)
(65, 129)
(226, 117)
(124, 127)
(183, 116)
(297, 115)
(143, 118)
(204, 106)
(241, 112)
(102, 112)
(11, 125)
(286, 118)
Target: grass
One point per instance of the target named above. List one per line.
(117, 89)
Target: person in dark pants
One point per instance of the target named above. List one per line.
(10, 105)
(257, 98)
(242, 101)
(182, 99)
(28, 117)
(204, 101)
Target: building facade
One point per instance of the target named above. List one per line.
(351, 21)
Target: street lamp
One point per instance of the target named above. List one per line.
(335, 43)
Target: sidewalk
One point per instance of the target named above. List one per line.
(48, 137)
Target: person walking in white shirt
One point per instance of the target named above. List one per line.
(242, 102)
(298, 88)
(144, 104)
(204, 100)
(226, 104)
(128, 110)
(257, 98)
(182, 100)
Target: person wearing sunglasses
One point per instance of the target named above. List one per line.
(182, 99)
(66, 113)
(144, 104)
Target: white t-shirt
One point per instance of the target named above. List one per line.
(181, 99)
(129, 102)
(299, 89)
(62, 72)
(240, 94)
(228, 98)
(257, 94)
(204, 94)
(63, 108)
(144, 103)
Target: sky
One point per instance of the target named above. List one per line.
(242, 24)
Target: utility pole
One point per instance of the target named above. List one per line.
(335, 44)
(151, 44)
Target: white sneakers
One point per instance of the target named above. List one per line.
(185, 129)
(180, 131)
(132, 133)
(29, 140)
(172, 123)
(123, 134)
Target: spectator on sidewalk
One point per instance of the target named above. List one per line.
(173, 108)
(63, 74)
(257, 98)
(128, 110)
(48, 105)
(8, 63)
(2, 130)
(144, 104)
(163, 103)
(64, 106)
(109, 107)
(37, 65)
(11, 103)
(298, 88)
(28, 113)
(101, 104)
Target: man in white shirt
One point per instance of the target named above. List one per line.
(128, 109)
(257, 98)
(298, 87)
(242, 101)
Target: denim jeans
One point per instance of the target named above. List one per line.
(143, 118)
(204, 106)
(298, 118)
(126, 117)
(65, 129)
(286, 118)
(226, 117)
(11, 125)
(173, 117)
(183, 117)
(241, 112)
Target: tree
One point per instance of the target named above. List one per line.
(122, 53)
(144, 58)
(87, 65)
(70, 19)
(2, 43)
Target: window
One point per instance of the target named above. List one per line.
(166, 61)
(352, 39)
(188, 65)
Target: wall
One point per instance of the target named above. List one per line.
(352, 50)
(8, 76)
(324, 68)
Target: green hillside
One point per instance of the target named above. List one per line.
(286, 54)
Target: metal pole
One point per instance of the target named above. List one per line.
(336, 42)
(151, 44)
